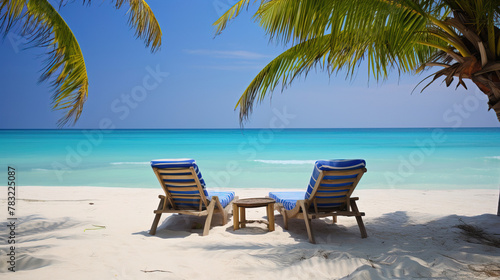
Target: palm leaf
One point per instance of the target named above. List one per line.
(284, 69)
(65, 64)
(144, 21)
(233, 12)
(10, 12)
(364, 30)
(462, 36)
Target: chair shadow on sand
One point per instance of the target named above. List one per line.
(181, 226)
(392, 228)
(401, 245)
(395, 229)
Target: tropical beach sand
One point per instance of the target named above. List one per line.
(412, 234)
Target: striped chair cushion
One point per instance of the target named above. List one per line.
(329, 165)
(180, 163)
(224, 197)
(289, 199)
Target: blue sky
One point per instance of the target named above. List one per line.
(195, 80)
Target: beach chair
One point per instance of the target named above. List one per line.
(185, 193)
(328, 194)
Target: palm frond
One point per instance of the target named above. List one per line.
(10, 12)
(296, 21)
(233, 12)
(385, 38)
(284, 69)
(481, 18)
(144, 21)
(65, 64)
(462, 36)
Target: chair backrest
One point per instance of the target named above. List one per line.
(182, 182)
(333, 182)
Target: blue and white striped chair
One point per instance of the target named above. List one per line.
(328, 194)
(185, 192)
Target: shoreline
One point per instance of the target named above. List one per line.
(102, 232)
(431, 187)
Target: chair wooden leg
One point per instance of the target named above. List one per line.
(307, 221)
(359, 219)
(221, 210)
(285, 218)
(225, 215)
(334, 219)
(208, 222)
(156, 220)
(361, 226)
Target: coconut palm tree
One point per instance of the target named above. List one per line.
(40, 22)
(460, 37)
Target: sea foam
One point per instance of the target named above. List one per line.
(494, 157)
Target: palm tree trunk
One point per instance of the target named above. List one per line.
(496, 107)
(489, 84)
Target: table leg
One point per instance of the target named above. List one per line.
(243, 217)
(270, 216)
(236, 222)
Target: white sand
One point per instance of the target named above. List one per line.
(411, 235)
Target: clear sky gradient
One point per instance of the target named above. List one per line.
(195, 80)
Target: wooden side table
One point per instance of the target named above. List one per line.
(240, 205)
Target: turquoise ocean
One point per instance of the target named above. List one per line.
(424, 158)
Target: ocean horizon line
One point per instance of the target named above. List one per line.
(254, 128)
